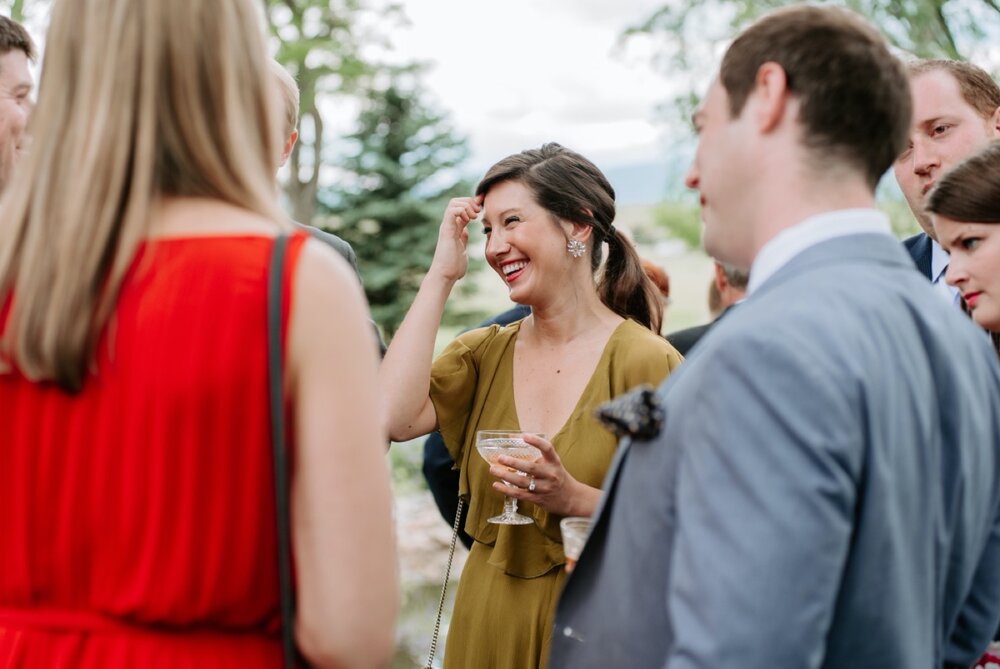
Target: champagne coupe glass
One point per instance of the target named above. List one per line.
(574, 535)
(491, 444)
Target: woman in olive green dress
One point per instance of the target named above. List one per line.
(546, 214)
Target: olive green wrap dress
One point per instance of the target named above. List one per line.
(509, 586)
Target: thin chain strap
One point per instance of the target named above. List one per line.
(444, 588)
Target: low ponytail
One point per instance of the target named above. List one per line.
(624, 287)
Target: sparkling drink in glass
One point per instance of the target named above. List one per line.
(574, 535)
(491, 444)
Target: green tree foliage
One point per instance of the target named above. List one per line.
(925, 28)
(17, 10)
(396, 181)
(682, 220)
(320, 43)
(32, 13)
(688, 35)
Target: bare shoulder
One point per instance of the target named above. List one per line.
(319, 265)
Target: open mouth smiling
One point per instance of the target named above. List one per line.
(512, 270)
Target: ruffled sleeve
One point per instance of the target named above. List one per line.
(455, 379)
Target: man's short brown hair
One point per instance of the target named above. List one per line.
(976, 85)
(854, 94)
(14, 36)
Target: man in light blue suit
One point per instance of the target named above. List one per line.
(823, 487)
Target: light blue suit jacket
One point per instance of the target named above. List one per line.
(824, 492)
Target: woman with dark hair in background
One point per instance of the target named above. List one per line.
(138, 523)
(965, 204)
(546, 214)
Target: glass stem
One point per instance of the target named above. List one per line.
(509, 506)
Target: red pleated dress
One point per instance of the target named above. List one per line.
(136, 517)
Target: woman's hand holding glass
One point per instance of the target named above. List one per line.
(450, 259)
(544, 482)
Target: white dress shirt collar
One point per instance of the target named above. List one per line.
(819, 228)
(939, 264)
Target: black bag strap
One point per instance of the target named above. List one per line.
(279, 459)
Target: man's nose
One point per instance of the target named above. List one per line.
(925, 157)
(691, 179)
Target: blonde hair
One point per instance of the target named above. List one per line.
(289, 96)
(176, 102)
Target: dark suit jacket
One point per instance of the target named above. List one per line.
(345, 250)
(920, 248)
(684, 340)
(439, 468)
(338, 245)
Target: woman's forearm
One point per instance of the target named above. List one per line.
(405, 373)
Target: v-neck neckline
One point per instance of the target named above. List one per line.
(583, 393)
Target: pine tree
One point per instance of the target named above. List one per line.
(321, 44)
(396, 181)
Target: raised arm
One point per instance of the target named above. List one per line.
(405, 372)
(342, 534)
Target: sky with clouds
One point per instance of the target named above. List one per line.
(516, 74)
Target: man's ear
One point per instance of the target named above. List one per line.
(289, 145)
(770, 96)
(720, 277)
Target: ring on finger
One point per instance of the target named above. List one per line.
(531, 484)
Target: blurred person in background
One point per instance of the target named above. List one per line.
(660, 279)
(289, 96)
(729, 286)
(135, 462)
(547, 214)
(16, 51)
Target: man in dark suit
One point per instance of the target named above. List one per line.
(730, 284)
(956, 112)
(821, 485)
(439, 469)
(290, 115)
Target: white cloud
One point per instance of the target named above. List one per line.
(516, 74)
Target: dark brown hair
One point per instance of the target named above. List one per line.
(571, 188)
(14, 36)
(970, 191)
(976, 86)
(854, 94)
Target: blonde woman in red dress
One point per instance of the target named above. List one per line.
(135, 469)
